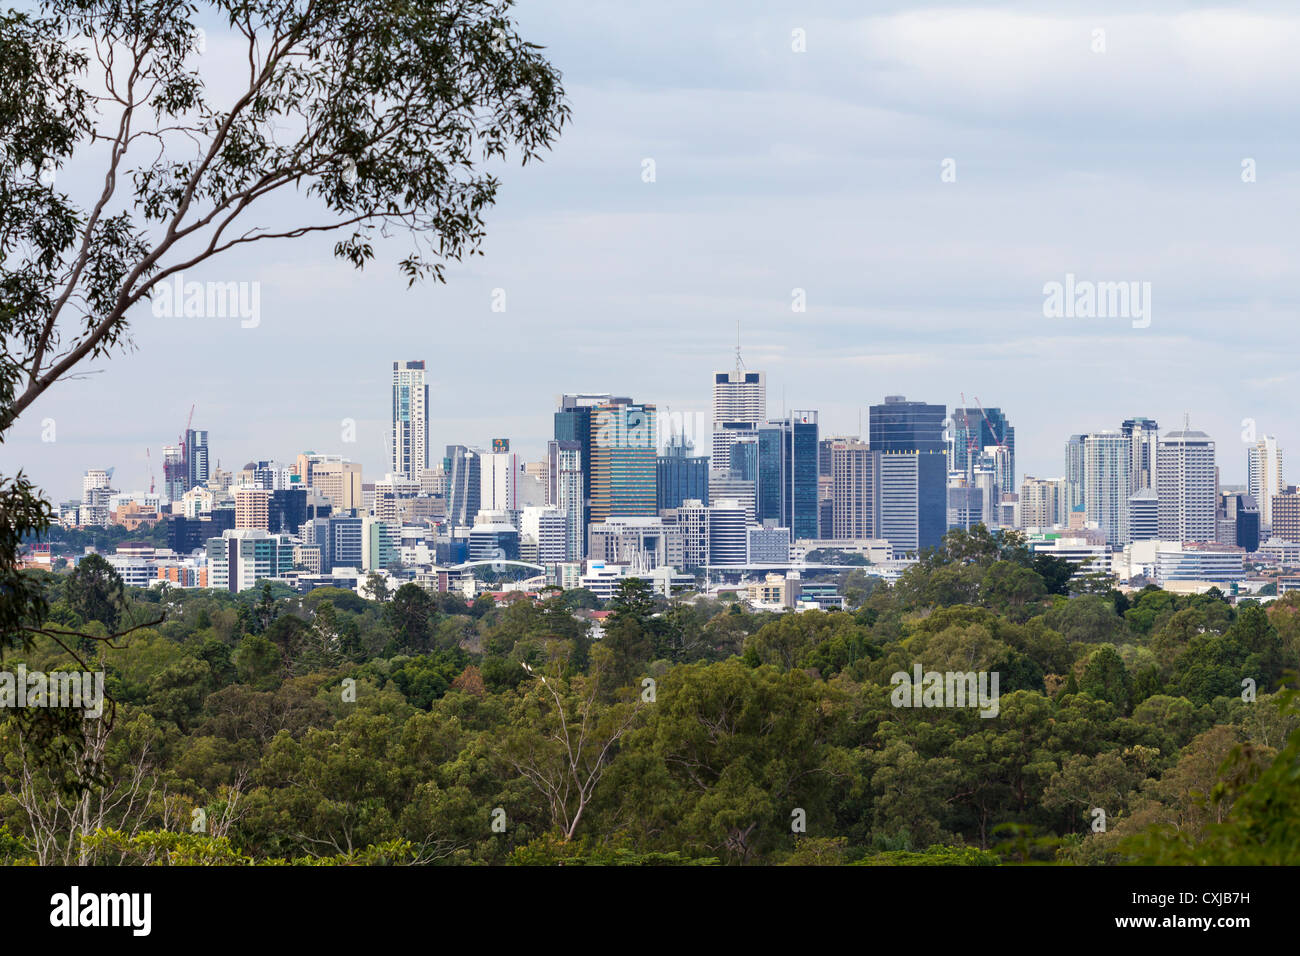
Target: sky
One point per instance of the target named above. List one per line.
(829, 171)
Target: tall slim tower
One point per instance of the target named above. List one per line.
(739, 406)
(410, 420)
(1264, 476)
(196, 457)
(1143, 435)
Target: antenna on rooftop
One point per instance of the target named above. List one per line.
(739, 363)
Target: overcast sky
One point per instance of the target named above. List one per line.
(778, 170)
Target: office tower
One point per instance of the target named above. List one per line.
(1239, 521)
(546, 530)
(726, 486)
(1286, 516)
(1264, 476)
(1187, 486)
(1143, 435)
(965, 502)
(739, 406)
(624, 456)
(984, 480)
(855, 498)
(681, 475)
(463, 485)
(267, 475)
(787, 474)
(174, 472)
(692, 522)
(913, 499)
(573, 423)
(410, 420)
(499, 478)
(1143, 516)
(253, 509)
(564, 491)
(332, 476)
(196, 457)
(1106, 462)
(728, 542)
(973, 433)
(1075, 466)
(900, 427)
(389, 493)
(1043, 502)
(286, 510)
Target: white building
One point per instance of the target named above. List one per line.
(1264, 476)
(410, 420)
(1187, 487)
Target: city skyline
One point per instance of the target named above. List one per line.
(775, 171)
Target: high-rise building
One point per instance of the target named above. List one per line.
(739, 406)
(1143, 435)
(974, 432)
(855, 496)
(564, 491)
(463, 485)
(1143, 516)
(624, 457)
(1044, 502)
(723, 485)
(499, 478)
(1187, 486)
(681, 475)
(252, 509)
(1286, 516)
(901, 428)
(1264, 476)
(174, 472)
(240, 558)
(1075, 481)
(913, 499)
(900, 425)
(1106, 462)
(410, 420)
(573, 423)
(728, 541)
(196, 457)
(787, 474)
(1239, 521)
(332, 476)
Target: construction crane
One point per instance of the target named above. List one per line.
(1000, 439)
(970, 438)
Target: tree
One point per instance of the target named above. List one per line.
(563, 738)
(96, 592)
(408, 615)
(378, 117)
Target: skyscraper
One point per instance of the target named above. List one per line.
(855, 512)
(1187, 486)
(410, 420)
(1143, 435)
(900, 425)
(1106, 482)
(787, 474)
(624, 457)
(739, 406)
(174, 472)
(1264, 476)
(196, 457)
(910, 435)
(681, 475)
(973, 432)
(499, 478)
(461, 465)
(1074, 472)
(573, 423)
(564, 492)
